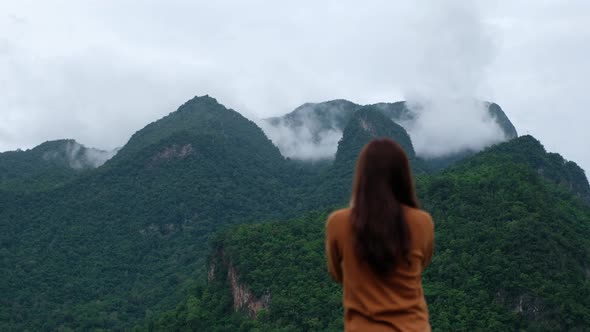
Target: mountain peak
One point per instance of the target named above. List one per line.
(200, 119)
(332, 114)
(48, 165)
(502, 120)
(366, 124)
(55, 144)
(200, 103)
(328, 104)
(73, 154)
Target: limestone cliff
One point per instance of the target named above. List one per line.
(243, 298)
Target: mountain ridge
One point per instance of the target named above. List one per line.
(314, 125)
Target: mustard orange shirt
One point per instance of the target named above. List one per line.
(373, 304)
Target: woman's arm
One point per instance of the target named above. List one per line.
(333, 252)
(429, 251)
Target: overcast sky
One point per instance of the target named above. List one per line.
(97, 71)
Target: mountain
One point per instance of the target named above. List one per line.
(111, 247)
(512, 253)
(401, 113)
(502, 120)
(199, 219)
(329, 184)
(202, 116)
(322, 120)
(319, 117)
(529, 152)
(48, 165)
(366, 124)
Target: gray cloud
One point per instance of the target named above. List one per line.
(98, 72)
(299, 142)
(452, 51)
(80, 157)
(309, 140)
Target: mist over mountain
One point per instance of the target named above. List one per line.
(152, 238)
(48, 165)
(311, 131)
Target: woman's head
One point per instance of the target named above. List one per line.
(383, 182)
(383, 169)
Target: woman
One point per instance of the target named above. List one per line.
(378, 248)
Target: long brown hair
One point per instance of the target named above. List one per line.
(383, 182)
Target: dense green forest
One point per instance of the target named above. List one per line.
(118, 244)
(148, 239)
(512, 252)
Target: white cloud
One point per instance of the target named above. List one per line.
(303, 142)
(453, 48)
(98, 71)
(299, 142)
(78, 156)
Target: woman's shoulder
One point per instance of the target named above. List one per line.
(344, 212)
(419, 216)
(338, 218)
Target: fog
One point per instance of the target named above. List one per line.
(453, 51)
(299, 142)
(80, 157)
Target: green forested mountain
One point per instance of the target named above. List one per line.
(116, 245)
(336, 114)
(322, 121)
(331, 186)
(368, 123)
(199, 223)
(512, 253)
(48, 165)
(551, 166)
(319, 118)
(333, 114)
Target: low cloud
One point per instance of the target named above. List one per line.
(445, 73)
(79, 157)
(309, 140)
(94, 157)
(298, 143)
(454, 50)
(444, 127)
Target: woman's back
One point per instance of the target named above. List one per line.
(371, 302)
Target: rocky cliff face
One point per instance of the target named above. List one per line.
(243, 298)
